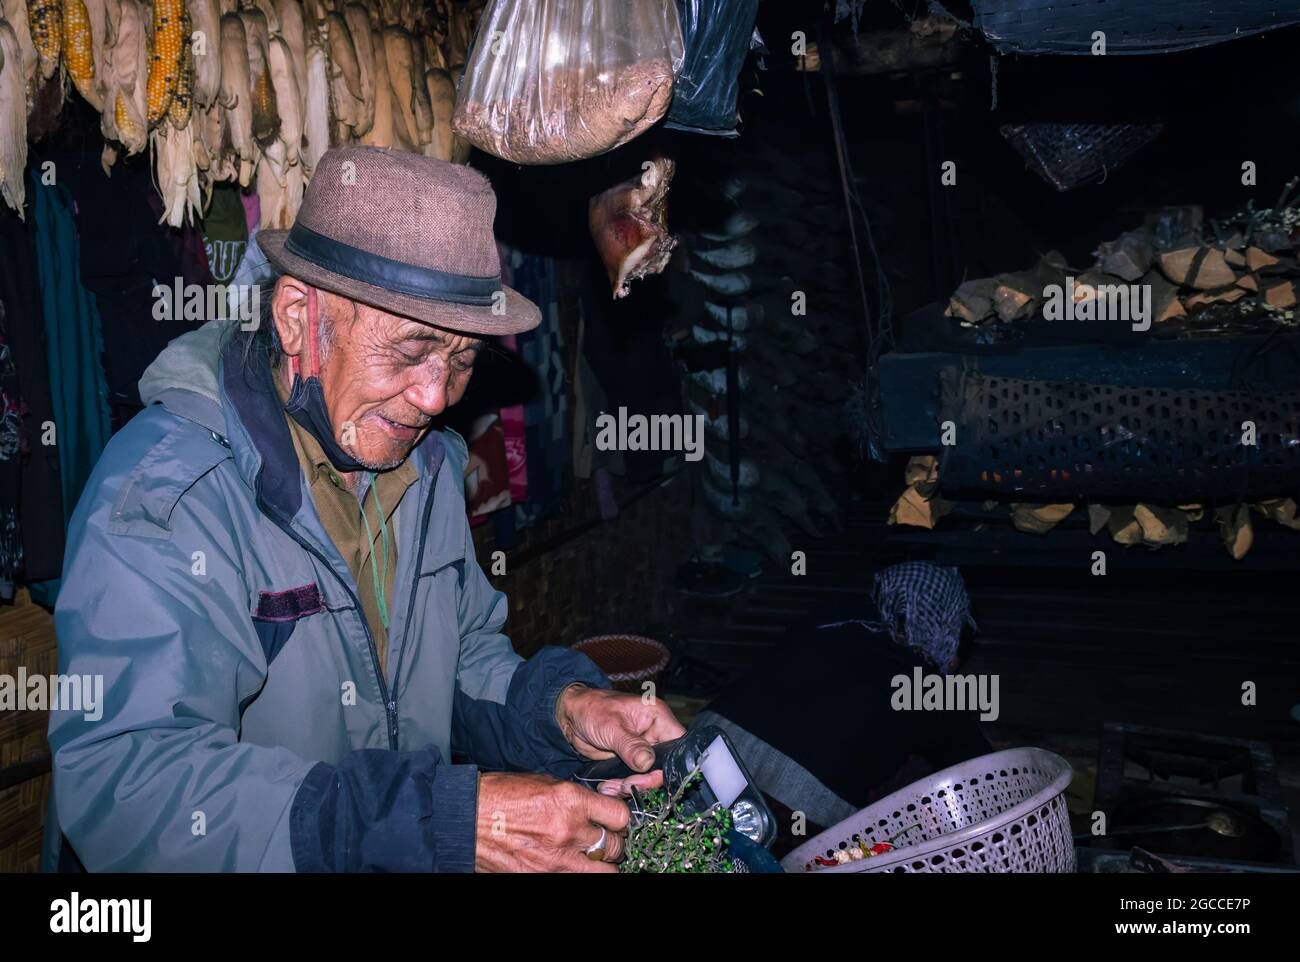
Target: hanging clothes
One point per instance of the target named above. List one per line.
(39, 500)
(546, 419)
(487, 477)
(516, 440)
(124, 254)
(225, 232)
(13, 448)
(74, 340)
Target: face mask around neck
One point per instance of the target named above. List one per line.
(306, 404)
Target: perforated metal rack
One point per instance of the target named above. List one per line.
(1071, 155)
(1095, 440)
(1155, 26)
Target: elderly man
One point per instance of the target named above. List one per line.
(272, 569)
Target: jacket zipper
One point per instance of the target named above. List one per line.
(410, 604)
(390, 706)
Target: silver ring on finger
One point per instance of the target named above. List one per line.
(597, 851)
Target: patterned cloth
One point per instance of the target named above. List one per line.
(13, 448)
(512, 423)
(546, 417)
(924, 607)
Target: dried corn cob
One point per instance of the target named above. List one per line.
(205, 20)
(78, 50)
(165, 58)
(128, 130)
(45, 20)
(266, 117)
(178, 112)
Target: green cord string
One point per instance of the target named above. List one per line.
(378, 582)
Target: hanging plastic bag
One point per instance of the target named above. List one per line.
(552, 81)
(717, 37)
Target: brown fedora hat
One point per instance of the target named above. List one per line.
(405, 233)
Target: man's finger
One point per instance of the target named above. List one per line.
(610, 813)
(611, 842)
(574, 861)
(615, 787)
(637, 753)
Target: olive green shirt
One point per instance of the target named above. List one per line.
(340, 514)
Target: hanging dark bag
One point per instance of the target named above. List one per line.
(716, 34)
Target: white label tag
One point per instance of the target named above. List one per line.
(722, 773)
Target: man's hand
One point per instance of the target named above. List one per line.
(534, 823)
(600, 723)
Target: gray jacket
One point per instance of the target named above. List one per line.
(245, 722)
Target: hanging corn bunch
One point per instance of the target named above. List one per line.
(179, 110)
(165, 60)
(45, 20)
(127, 80)
(78, 51)
(246, 82)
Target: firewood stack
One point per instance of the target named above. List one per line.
(248, 91)
(1200, 278)
(1150, 525)
(772, 257)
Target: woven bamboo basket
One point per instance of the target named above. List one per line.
(629, 661)
(27, 640)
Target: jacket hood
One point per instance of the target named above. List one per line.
(188, 364)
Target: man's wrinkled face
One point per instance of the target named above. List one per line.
(385, 377)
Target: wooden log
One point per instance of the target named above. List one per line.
(1222, 295)
(1164, 297)
(1039, 518)
(1160, 526)
(1235, 529)
(1087, 286)
(922, 469)
(1123, 525)
(912, 508)
(1204, 268)
(973, 301)
(1016, 295)
(1281, 510)
(1279, 294)
(1248, 282)
(1128, 256)
(1257, 259)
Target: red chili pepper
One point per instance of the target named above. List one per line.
(880, 848)
(824, 861)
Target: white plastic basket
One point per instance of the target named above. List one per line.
(1003, 812)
